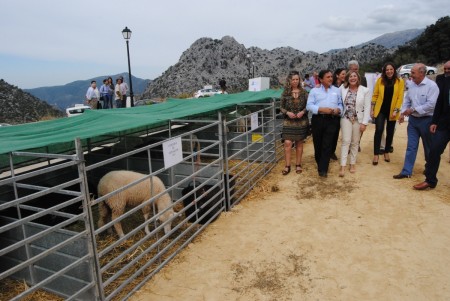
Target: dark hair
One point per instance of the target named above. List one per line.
(384, 79)
(335, 75)
(323, 72)
(93, 81)
(306, 75)
(287, 86)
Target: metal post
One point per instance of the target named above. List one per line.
(129, 76)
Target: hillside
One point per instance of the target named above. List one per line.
(74, 92)
(394, 39)
(207, 60)
(20, 107)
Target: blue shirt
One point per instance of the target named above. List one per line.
(421, 97)
(319, 97)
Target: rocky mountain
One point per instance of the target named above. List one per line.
(395, 39)
(207, 60)
(72, 93)
(18, 106)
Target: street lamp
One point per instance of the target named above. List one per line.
(249, 64)
(127, 35)
(253, 75)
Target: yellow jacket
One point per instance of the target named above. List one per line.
(397, 98)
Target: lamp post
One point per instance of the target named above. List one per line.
(253, 74)
(127, 35)
(249, 64)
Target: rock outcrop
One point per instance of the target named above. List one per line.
(18, 106)
(208, 60)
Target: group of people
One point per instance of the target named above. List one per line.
(103, 98)
(340, 102)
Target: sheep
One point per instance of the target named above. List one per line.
(133, 196)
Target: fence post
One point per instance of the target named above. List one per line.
(89, 221)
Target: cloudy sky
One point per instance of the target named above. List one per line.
(54, 42)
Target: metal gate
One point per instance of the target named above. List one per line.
(49, 236)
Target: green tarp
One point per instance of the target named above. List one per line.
(57, 136)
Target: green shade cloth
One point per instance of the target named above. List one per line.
(57, 136)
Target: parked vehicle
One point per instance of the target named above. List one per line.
(206, 93)
(405, 70)
(77, 110)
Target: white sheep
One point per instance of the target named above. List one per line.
(133, 196)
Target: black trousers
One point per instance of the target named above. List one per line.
(379, 128)
(439, 142)
(324, 128)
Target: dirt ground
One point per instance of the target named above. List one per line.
(366, 236)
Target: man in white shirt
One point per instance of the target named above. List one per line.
(124, 91)
(419, 107)
(92, 95)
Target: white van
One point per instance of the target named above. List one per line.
(77, 110)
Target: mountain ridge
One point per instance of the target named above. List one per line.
(64, 96)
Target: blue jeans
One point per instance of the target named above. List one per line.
(418, 127)
(107, 102)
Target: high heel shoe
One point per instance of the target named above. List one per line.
(375, 162)
(286, 170)
(298, 168)
(386, 157)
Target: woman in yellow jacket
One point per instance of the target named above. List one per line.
(387, 101)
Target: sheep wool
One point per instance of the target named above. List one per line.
(114, 206)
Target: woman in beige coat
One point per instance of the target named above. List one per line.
(354, 119)
(387, 101)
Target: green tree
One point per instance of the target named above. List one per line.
(434, 43)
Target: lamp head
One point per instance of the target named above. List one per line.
(126, 33)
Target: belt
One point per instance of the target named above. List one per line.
(327, 116)
(426, 116)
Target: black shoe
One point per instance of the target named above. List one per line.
(401, 176)
(323, 174)
(359, 149)
(333, 157)
(391, 150)
(381, 151)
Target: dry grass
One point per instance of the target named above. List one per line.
(10, 288)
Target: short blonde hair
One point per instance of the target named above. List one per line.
(347, 76)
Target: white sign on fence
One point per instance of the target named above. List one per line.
(173, 153)
(254, 121)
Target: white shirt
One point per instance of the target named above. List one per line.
(421, 97)
(92, 93)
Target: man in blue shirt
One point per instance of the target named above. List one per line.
(325, 103)
(419, 105)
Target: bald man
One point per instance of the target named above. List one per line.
(439, 129)
(418, 105)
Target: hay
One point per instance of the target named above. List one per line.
(10, 288)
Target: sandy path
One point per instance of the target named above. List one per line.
(362, 237)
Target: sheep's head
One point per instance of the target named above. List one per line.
(166, 218)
